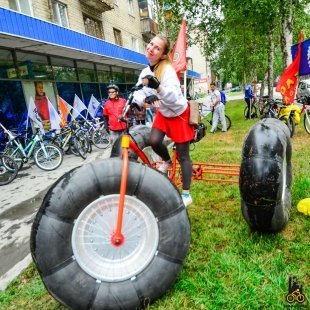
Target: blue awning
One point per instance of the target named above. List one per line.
(31, 34)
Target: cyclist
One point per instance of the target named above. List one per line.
(218, 109)
(162, 89)
(112, 111)
(249, 96)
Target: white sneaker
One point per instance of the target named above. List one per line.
(187, 199)
(164, 166)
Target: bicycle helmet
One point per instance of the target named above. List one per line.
(113, 86)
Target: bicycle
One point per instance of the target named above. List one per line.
(206, 115)
(8, 169)
(257, 105)
(117, 233)
(46, 156)
(305, 101)
(272, 110)
(70, 139)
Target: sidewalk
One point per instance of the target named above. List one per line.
(19, 202)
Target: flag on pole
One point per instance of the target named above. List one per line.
(179, 50)
(78, 107)
(288, 80)
(93, 106)
(34, 116)
(64, 109)
(54, 117)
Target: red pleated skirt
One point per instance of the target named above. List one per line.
(176, 128)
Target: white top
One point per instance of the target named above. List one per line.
(173, 102)
(215, 96)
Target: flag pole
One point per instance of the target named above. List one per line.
(185, 83)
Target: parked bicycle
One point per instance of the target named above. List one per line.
(69, 139)
(273, 109)
(207, 114)
(8, 169)
(46, 156)
(305, 109)
(257, 107)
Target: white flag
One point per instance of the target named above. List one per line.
(93, 106)
(78, 106)
(54, 117)
(34, 116)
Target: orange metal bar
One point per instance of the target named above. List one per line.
(123, 187)
(201, 170)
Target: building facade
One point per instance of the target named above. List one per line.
(73, 47)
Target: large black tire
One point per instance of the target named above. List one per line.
(266, 176)
(71, 237)
(141, 135)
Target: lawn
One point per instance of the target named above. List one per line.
(228, 266)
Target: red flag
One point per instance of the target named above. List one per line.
(179, 51)
(288, 80)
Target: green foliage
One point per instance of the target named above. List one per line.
(228, 266)
(233, 33)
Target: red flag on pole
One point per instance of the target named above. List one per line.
(288, 80)
(179, 51)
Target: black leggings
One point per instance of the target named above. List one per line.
(157, 137)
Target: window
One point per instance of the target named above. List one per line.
(118, 37)
(7, 67)
(60, 13)
(130, 7)
(33, 67)
(23, 6)
(93, 27)
(135, 44)
(64, 69)
(103, 73)
(86, 71)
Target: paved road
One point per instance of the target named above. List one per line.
(19, 202)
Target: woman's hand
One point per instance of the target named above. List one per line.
(150, 81)
(153, 100)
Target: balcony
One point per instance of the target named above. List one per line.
(148, 28)
(99, 5)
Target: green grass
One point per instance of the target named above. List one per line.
(228, 266)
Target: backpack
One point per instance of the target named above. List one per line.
(223, 97)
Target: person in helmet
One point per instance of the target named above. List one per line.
(112, 111)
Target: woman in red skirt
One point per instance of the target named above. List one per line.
(162, 89)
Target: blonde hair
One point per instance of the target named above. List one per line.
(163, 63)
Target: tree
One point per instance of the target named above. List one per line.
(235, 35)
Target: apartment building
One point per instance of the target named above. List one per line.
(73, 47)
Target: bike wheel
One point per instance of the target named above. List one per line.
(266, 176)
(48, 157)
(86, 269)
(228, 123)
(15, 153)
(307, 121)
(78, 147)
(8, 169)
(100, 139)
(253, 112)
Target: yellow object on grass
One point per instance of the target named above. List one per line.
(303, 206)
(285, 113)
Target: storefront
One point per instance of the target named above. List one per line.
(38, 56)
